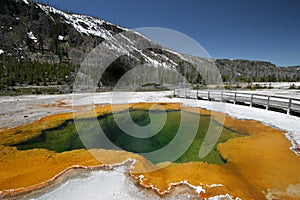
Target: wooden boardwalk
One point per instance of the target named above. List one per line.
(268, 102)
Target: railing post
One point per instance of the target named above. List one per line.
(174, 95)
(268, 103)
(208, 95)
(197, 93)
(251, 101)
(289, 107)
(235, 98)
(222, 96)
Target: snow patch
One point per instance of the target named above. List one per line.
(1, 52)
(176, 53)
(32, 36)
(60, 37)
(83, 24)
(26, 1)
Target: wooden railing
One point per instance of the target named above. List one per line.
(269, 102)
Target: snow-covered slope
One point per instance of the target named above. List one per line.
(48, 34)
(83, 24)
(96, 27)
(43, 34)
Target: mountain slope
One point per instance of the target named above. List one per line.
(29, 29)
(38, 33)
(257, 71)
(41, 45)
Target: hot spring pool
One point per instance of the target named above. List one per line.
(66, 138)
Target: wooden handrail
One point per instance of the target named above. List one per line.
(267, 101)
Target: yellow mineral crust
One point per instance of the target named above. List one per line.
(258, 165)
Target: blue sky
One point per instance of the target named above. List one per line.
(244, 29)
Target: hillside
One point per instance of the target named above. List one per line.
(255, 71)
(41, 46)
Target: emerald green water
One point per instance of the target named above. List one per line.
(66, 138)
